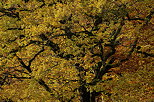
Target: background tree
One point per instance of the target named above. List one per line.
(75, 50)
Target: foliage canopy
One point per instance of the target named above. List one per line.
(76, 50)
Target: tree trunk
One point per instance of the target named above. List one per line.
(84, 94)
(87, 96)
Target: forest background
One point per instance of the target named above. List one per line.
(76, 50)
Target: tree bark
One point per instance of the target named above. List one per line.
(84, 94)
(87, 96)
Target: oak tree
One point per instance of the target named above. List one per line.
(74, 50)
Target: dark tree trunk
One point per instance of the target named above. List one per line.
(93, 96)
(84, 94)
(87, 96)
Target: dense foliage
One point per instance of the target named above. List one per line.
(76, 50)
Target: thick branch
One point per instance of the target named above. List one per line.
(23, 64)
(9, 13)
(145, 54)
(15, 29)
(20, 77)
(133, 46)
(49, 43)
(130, 19)
(147, 19)
(42, 83)
(30, 61)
